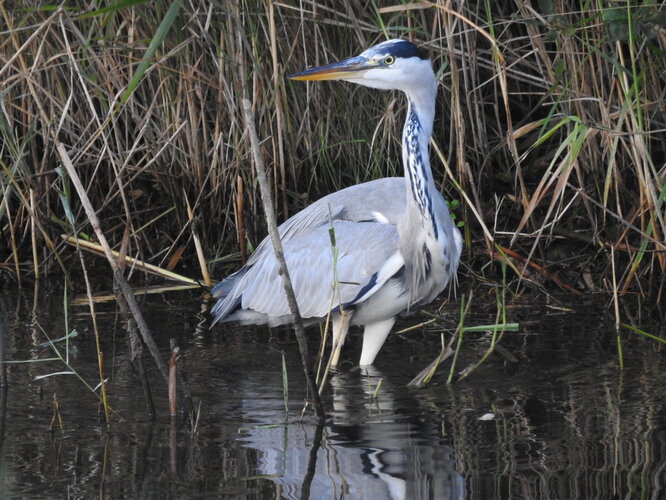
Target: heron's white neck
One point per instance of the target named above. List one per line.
(415, 138)
(422, 103)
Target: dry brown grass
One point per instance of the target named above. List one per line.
(550, 128)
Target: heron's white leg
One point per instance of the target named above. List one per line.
(340, 326)
(374, 336)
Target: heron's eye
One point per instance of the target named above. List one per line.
(389, 59)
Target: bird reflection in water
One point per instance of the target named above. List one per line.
(367, 450)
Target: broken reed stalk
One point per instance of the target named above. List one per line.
(117, 273)
(136, 351)
(239, 210)
(205, 275)
(181, 381)
(97, 249)
(172, 381)
(98, 345)
(271, 222)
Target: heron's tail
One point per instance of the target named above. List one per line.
(227, 301)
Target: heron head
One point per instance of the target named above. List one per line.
(394, 64)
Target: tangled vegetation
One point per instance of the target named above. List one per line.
(550, 132)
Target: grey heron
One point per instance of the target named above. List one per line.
(396, 245)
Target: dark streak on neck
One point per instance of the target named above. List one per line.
(417, 169)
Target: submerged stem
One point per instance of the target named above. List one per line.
(271, 222)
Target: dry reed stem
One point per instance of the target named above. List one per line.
(172, 384)
(197, 245)
(98, 346)
(98, 249)
(271, 221)
(118, 277)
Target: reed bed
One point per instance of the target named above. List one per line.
(550, 130)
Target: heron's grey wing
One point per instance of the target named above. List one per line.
(381, 200)
(367, 256)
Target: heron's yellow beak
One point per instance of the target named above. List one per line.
(351, 68)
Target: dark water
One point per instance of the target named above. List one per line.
(562, 422)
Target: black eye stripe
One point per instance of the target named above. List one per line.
(407, 49)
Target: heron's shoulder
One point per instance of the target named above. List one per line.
(381, 200)
(383, 186)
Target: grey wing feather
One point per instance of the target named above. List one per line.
(363, 248)
(362, 202)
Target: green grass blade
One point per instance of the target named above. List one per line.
(285, 384)
(644, 333)
(124, 4)
(507, 327)
(157, 40)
